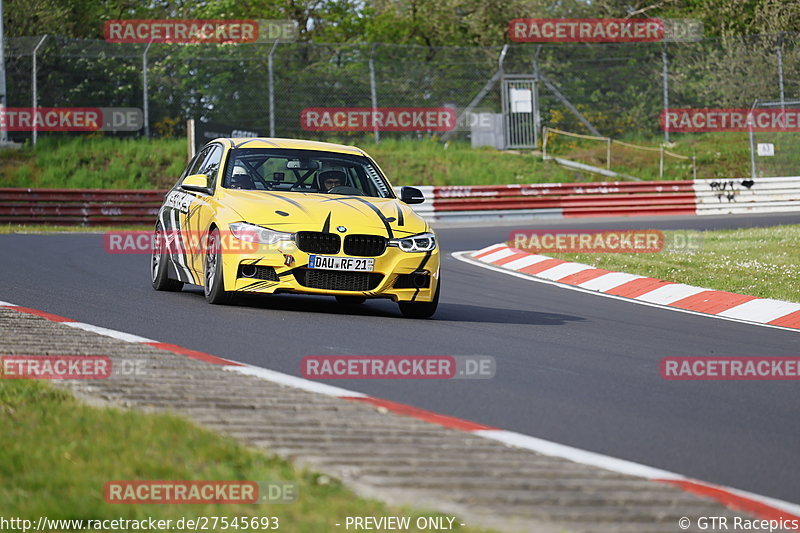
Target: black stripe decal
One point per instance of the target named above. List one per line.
(420, 267)
(326, 228)
(294, 203)
(380, 215)
(400, 219)
(253, 140)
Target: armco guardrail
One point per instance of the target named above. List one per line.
(759, 195)
(79, 206)
(453, 203)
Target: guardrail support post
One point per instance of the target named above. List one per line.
(661, 162)
(608, 153)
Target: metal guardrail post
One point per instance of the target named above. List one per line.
(34, 86)
(608, 153)
(661, 162)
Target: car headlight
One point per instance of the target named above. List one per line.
(252, 233)
(424, 242)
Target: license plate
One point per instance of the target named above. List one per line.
(327, 262)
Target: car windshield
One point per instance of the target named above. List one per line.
(304, 171)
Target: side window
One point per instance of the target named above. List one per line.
(210, 166)
(196, 162)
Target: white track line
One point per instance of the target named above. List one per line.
(114, 334)
(294, 382)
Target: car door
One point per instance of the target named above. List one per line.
(202, 209)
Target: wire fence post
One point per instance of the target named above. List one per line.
(145, 103)
(665, 74)
(35, 103)
(537, 117)
(608, 153)
(661, 163)
(780, 68)
(271, 72)
(373, 96)
(3, 133)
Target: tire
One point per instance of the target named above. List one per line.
(351, 300)
(421, 309)
(159, 264)
(213, 284)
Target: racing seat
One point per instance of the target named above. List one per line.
(240, 179)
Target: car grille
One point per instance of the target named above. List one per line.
(364, 245)
(316, 242)
(337, 281)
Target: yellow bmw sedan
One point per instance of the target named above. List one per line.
(281, 215)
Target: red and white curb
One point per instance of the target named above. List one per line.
(639, 289)
(735, 499)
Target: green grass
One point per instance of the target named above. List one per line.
(94, 163)
(428, 162)
(763, 262)
(106, 162)
(57, 453)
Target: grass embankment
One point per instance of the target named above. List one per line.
(56, 454)
(718, 155)
(763, 262)
(105, 162)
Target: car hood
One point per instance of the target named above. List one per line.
(291, 212)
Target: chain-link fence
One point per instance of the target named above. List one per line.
(612, 90)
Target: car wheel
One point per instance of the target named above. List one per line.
(351, 300)
(159, 264)
(421, 309)
(213, 285)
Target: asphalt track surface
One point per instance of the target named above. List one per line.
(575, 368)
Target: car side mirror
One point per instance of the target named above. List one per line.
(411, 195)
(196, 183)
